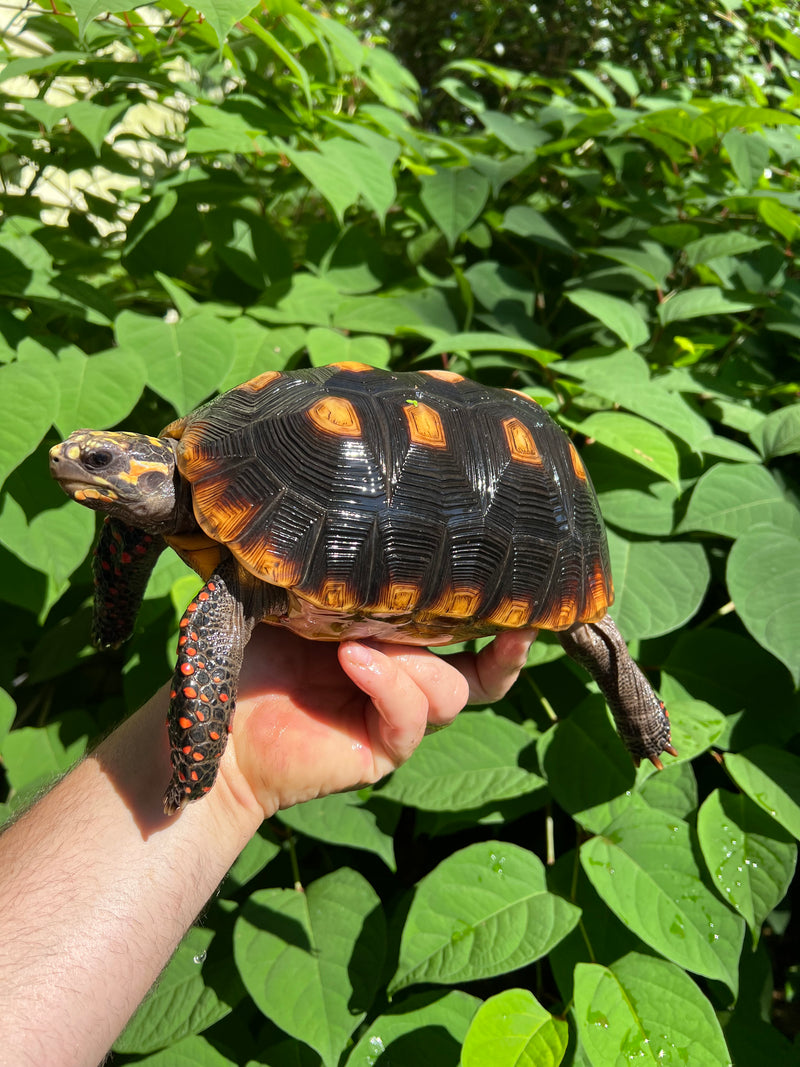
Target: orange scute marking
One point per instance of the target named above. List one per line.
(197, 756)
(577, 462)
(194, 776)
(351, 365)
(444, 375)
(425, 425)
(255, 385)
(513, 613)
(184, 723)
(520, 442)
(335, 415)
(518, 392)
(399, 597)
(272, 566)
(459, 603)
(336, 595)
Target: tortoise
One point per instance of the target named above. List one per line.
(350, 502)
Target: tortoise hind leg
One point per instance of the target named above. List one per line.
(214, 631)
(641, 718)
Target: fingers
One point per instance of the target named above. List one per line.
(491, 673)
(409, 690)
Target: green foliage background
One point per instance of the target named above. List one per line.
(601, 208)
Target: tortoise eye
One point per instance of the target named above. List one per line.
(97, 460)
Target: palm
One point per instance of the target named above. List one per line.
(310, 721)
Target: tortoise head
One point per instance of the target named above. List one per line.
(128, 475)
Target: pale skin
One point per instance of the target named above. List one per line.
(94, 894)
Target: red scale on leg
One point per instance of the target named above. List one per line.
(203, 699)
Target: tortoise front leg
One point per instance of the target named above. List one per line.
(123, 562)
(641, 718)
(214, 631)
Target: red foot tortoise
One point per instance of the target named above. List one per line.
(348, 502)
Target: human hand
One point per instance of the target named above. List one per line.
(314, 718)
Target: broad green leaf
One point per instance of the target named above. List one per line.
(227, 8)
(343, 169)
(8, 710)
(224, 14)
(192, 1051)
(311, 960)
(731, 243)
(673, 790)
(749, 155)
(635, 438)
(730, 499)
(763, 578)
(779, 433)
(93, 121)
(480, 757)
(32, 755)
(485, 341)
(186, 999)
(98, 390)
(658, 585)
(330, 176)
(330, 346)
(483, 911)
(586, 738)
(750, 857)
(341, 819)
(780, 219)
(31, 404)
(454, 197)
(697, 303)
(86, 10)
(512, 1029)
(526, 222)
(186, 361)
(520, 135)
(55, 541)
(695, 724)
(643, 868)
(645, 1010)
(619, 316)
(771, 778)
(260, 850)
(259, 349)
(426, 1028)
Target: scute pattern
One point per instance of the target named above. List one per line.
(431, 503)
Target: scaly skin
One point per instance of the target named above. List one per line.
(641, 718)
(123, 562)
(214, 631)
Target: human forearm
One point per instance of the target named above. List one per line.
(98, 887)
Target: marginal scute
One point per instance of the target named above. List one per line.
(577, 462)
(459, 602)
(261, 381)
(351, 365)
(444, 375)
(512, 613)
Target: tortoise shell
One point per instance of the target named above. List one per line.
(417, 507)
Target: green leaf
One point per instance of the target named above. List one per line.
(427, 1028)
(763, 577)
(635, 438)
(483, 911)
(330, 346)
(31, 405)
(93, 121)
(186, 361)
(485, 341)
(8, 711)
(779, 433)
(780, 219)
(619, 316)
(342, 819)
(526, 222)
(184, 1001)
(33, 755)
(311, 960)
(512, 1029)
(643, 868)
(454, 197)
(260, 850)
(644, 1009)
(97, 390)
(86, 10)
(192, 1051)
(732, 243)
(750, 857)
(771, 778)
(706, 300)
(479, 758)
(658, 585)
(749, 156)
(729, 499)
